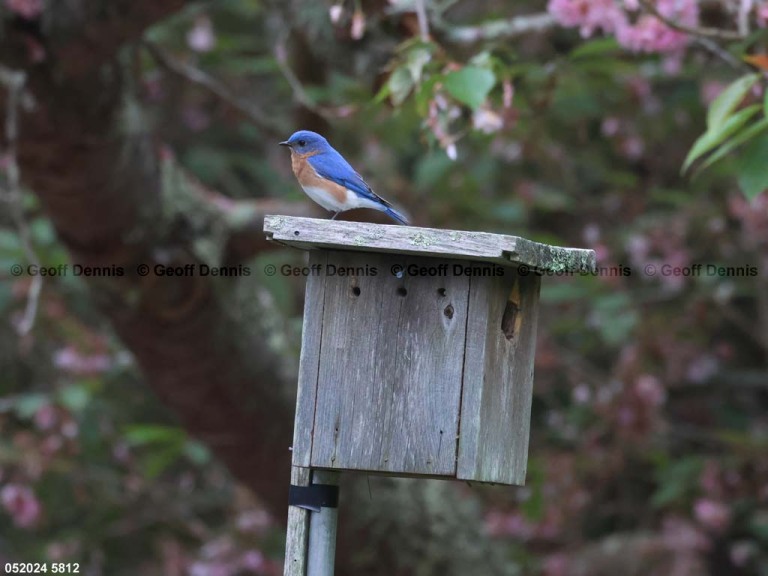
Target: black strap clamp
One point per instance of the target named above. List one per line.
(314, 496)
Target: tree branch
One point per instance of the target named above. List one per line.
(715, 33)
(198, 77)
(745, 8)
(498, 29)
(421, 14)
(299, 93)
(715, 49)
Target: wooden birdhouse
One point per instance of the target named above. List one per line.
(418, 347)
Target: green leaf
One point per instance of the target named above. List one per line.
(676, 480)
(431, 168)
(715, 136)
(599, 47)
(141, 434)
(765, 104)
(753, 167)
(470, 85)
(729, 99)
(734, 143)
(242, 66)
(759, 526)
(482, 59)
(42, 232)
(75, 397)
(197, 452)
(27, 404)
(9, 241)
(400, 84)
(615, 317)
(425, 92)
(418, 58)
(157, 461)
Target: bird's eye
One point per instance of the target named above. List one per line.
(302, 143)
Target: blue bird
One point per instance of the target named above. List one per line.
(328, 179)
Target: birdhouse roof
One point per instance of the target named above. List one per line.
(313, 233)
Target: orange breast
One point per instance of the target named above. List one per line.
(307, 176)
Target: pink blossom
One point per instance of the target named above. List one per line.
(51, 445)
(649, 34)
(581, 394)
(195, 118)
(253, 561)
(632, 147)
(702, 367)
(556, 565)
(683, 536)
(591, 233)
(46, 417)
(650, 391)
(588, 15)
(20, 502)
(672, 63)
(254, 521)
(212, 569)
(638, 248)
(153, 86)
(70, 429)
(610, 126)
(762, 14)
(626, 416)
(710, 478)
(357, 30)
(201, 37)
(59, 551)
(712, 514)
(29, 9)
(71, 360)
(487, 121)
(335, 12)
(508, 524)
(742, 552)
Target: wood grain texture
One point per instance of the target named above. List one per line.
(498, 379)
(309, 361)
(389, 382)
(297, 537)
(478, 246)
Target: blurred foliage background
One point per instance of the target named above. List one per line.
(566, 123)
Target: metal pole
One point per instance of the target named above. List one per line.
(322, 531)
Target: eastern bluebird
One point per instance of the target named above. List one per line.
(329, 180)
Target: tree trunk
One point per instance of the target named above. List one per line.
(116, 198)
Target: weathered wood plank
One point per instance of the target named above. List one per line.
(478, 246)
(390, 368)
(309, 361)
(498, 379)
(297, 537)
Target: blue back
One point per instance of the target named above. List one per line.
(331, 165)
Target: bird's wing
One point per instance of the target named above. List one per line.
(332, 166)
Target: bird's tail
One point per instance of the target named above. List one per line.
(395, 215)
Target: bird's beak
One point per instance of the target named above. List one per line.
(286, 143)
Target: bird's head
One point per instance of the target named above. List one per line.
(306, 142)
